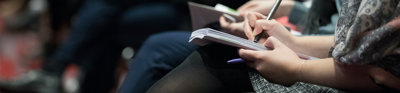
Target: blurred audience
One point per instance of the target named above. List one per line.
(99, 31)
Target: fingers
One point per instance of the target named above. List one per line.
(252, 17)
(254, 58)
(248, 31)
(258, 28)
(249, 55)
(272, 42)
(223, 22)
(250, 22)
(267, 25)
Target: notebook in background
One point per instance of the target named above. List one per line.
(202, 15)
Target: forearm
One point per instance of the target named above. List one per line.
(317, 46)
(328, 73)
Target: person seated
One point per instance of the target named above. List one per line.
(361, 56)
(158, 56)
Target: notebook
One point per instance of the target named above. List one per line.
(201, 15)
(206, 36)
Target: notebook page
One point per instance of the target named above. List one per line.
(205, 35)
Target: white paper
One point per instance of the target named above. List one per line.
(205, 36)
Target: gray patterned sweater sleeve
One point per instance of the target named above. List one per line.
(367, 33)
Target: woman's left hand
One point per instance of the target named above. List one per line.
(235, 28)
(279, 65)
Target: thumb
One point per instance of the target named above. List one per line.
(223, 22)
(248, 55)
(272, 43)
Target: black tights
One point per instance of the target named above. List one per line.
(206, 71)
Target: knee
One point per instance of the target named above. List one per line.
(165, 39)
(146, 16)
(157, 40)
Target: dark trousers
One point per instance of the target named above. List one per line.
(206, 71)
(159, 54)
(101, 29)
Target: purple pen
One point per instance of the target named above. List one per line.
(236, 61)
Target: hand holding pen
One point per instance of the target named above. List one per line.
(270, 14)
(259, 35)
(252, 18)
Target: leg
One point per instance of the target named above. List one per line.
(189, 77)
(206, 71)
(88, 45)
(93, 23)
(158, 55)
(98, 67)
(133, 27)
(140, 21)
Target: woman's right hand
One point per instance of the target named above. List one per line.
(255, 23)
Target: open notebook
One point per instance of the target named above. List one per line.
(205, 36)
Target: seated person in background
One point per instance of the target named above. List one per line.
(364, 57)
(100, 31)
(162, 52)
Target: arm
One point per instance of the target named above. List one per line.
(351, 77)
(317, 46)
(328, 73)
(264, 6)
(281, 65)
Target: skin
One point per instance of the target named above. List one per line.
(281, 64)
(264, 6)
(260, 6)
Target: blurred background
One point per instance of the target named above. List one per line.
(74, 38)
(25, 29)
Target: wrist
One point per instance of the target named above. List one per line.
(300, 71)
(293, 42)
